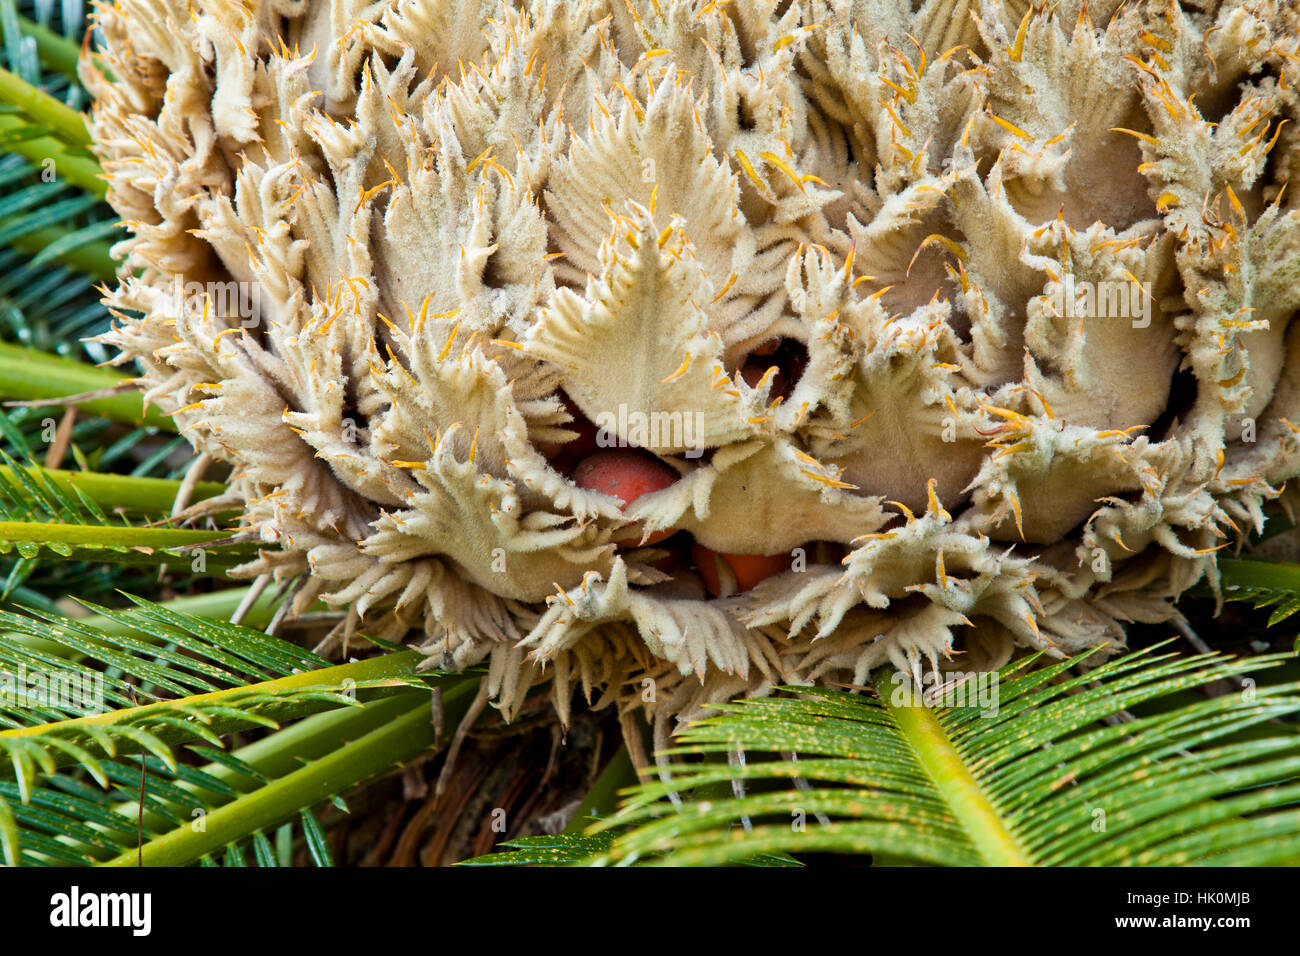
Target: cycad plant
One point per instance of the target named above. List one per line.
(874, 597)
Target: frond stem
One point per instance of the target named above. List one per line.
(963, 794)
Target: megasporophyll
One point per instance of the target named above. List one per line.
(673, 350)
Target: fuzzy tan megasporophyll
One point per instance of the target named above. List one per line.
(979, 316)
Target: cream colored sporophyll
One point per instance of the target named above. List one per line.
(916, 334)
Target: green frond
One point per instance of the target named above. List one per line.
(386, 734)
(37, 499)
(161, 676)
(1051, 769)
(214, 605)
(560, 850)
(41, 516)
(195, 812)
(112, 492)
(51, 205)
(163, 682)
(58, 53)
(1263, 584)
(28, 374)
(125, 544)
(34, 103)
(53, 307)
(72, 164)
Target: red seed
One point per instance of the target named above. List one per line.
(625, 475)
(706, 562)
(752, 568)
(748, 569)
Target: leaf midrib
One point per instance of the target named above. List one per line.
(959, 789)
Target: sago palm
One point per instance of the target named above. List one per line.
(796, 406)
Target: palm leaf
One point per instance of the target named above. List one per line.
(128, 493)
(1042, 778)
(40, 121)
(383, 736)
(34, 375)
(193, 814)
(70, 787)
(1263, 584)
(40, 515)
(558, 850)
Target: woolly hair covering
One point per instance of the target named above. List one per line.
(1032, 272)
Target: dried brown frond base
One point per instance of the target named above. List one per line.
(525, 778)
